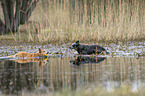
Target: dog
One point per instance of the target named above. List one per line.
(40, 53)
(88, 49)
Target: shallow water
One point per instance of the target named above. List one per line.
(45, 76)
(63, 70)
(116, 50)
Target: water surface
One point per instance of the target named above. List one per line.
(17, 76)
(64, 69)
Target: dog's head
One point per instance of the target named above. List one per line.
(45, 53)
(74, 45)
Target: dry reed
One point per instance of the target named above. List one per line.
(64, 21)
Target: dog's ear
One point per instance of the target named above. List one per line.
(77, 42)
(40, 51)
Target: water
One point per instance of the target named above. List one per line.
(61, 73)
(63, 70)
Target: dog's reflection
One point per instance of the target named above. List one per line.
(41, 61)
(86, 60)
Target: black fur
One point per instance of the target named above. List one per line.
(88, 49)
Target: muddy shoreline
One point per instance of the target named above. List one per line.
(117, 50)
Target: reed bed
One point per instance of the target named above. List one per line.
(123, 91)
(63, 21)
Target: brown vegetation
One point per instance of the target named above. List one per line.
(62, 21)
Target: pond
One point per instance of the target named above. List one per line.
(63, 70)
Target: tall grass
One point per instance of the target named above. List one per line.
(63, 21)
(123, 91)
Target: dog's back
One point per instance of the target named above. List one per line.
(92, 49)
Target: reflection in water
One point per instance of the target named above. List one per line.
(86, 60)
(17, 77)
(41, 61)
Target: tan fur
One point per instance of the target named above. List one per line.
(26, 54)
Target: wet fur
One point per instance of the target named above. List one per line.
(28, 55)
(88, 49)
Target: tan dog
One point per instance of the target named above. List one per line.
(41, 53)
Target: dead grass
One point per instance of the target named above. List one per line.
(87, 21)
(123, 91)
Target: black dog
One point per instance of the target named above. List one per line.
(87, 50)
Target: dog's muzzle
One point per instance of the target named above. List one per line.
(46, 54)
